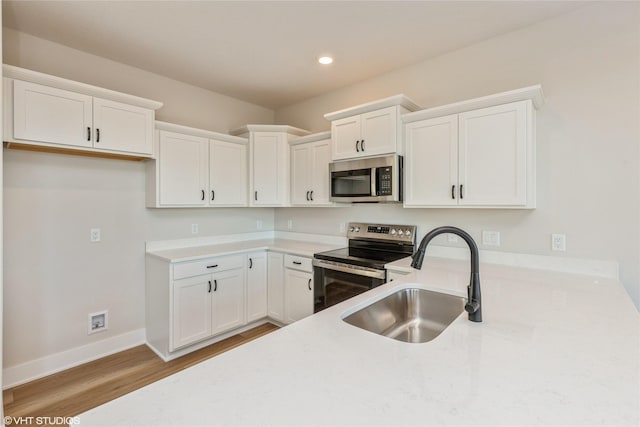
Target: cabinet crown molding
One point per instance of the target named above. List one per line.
(269, 128)
(395, 100)
(534, 93)
(172, 127)
(320, 136)
(13, 72)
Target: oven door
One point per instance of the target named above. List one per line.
(336, 282)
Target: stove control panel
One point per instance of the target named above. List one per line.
(400, 233)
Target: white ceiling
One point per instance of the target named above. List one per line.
(265, 52)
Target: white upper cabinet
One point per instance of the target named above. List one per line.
(310, 157)
(269, 168)
(227, 173)
(182, 167)
(46, 114)
(197, 168)
(371, 129)
(122, 127)
(475, 157)
(55, 114)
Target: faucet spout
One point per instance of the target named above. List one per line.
(474, 301)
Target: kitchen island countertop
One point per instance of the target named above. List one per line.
(553, 349)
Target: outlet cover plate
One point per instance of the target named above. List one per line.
(491, 238)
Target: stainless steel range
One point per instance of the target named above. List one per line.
(343, 273)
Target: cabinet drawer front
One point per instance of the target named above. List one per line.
(204, 266)
(298, 263)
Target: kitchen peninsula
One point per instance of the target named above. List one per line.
(553, 349)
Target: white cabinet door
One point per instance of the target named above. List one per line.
(492, 156)
(431, 162)
(256, 286)
(270, 154)
(300, 172)
(310, 173)
(227, 174)
(298, 295)
(319, 171)
(378, 132)
(122, 127)
(228, 300)
(275, 286)
(345, 135)
(183, 169)
(191, 320)
(46, 114)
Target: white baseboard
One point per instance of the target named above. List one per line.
(38, 368)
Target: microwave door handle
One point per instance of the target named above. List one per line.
(374, 182)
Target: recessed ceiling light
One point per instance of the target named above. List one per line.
(325, 60)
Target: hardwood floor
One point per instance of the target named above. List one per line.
(76, 390)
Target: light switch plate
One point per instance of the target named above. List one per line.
(95, 235)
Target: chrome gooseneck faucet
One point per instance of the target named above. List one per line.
(473, 305)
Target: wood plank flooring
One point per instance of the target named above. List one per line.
(76, 390)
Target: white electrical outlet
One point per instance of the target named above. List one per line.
(452, 238)
(258, 224)
(289, 224)
(95, 235)
(194, 229)
(491, 238)
(558, 242)
(98, 321)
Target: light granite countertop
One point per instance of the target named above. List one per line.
(553, 349)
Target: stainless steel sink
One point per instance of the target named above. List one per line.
(411, 315)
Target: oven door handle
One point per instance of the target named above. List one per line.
(351, 269)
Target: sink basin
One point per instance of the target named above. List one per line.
(411, 315)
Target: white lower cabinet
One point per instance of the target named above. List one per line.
(298, 288)
(207, 305)
(275, 286)
(190, 304)
(256, 285)
(191, 310)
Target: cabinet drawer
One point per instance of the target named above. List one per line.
(208, 265)
(298, 263)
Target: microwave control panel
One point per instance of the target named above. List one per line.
(385, 181)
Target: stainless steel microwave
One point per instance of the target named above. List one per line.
(374, 179)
